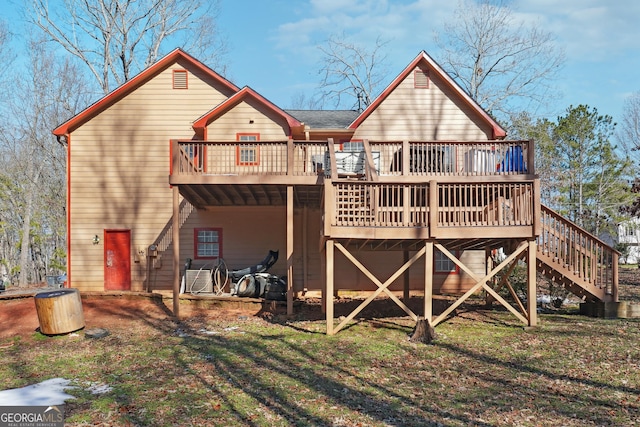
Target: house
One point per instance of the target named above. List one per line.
(412, 195)
(629, 238)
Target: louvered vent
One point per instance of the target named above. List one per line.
(421, 79)
(179, 79)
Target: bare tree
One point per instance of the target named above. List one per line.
(498, 60)
(299, 101)
(116, 39)
(33, 163)
(352, 71)
(629, 131)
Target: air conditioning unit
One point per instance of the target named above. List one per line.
(198, 281)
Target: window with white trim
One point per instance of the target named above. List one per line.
(247, 154)
(207, 243)
(442, 263)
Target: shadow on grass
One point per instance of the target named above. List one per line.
(270, 373)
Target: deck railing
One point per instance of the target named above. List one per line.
(486, 204)
(451, 158)
(432, 204)
(577, 251)
(308, 158)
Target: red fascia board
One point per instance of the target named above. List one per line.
(246, 92)
(131, 85)
(497, 130)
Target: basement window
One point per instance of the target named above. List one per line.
(442, 263)
(207, 243)
(247, 154)
(421, 79)
(180, 80)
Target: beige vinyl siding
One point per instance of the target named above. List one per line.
(247, 118)
(119, 167)
(432, 114)
(237, 120)
(248, 233)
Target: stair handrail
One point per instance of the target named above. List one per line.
(165, 238)
(578, 251)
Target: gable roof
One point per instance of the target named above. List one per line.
(242, 95)
(134, 83)
(325, 119)
(498, 131)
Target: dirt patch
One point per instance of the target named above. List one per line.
(18, 316)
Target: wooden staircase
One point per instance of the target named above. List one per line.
(574, 258)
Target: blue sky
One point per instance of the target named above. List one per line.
(274, 50)
(273, 43)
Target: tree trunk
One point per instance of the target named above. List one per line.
(423, 332)
(25, 244)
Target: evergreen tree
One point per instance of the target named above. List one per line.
(582, 176)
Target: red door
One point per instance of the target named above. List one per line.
(117, 260)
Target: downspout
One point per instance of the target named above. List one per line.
(64, 141)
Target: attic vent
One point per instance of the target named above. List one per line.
(180, 79)
(421, 79)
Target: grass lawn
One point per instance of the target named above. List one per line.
(484, 369)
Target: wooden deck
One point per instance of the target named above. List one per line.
(389, 189)
(404, 195)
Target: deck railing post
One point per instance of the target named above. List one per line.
(174, 165)
(406, 158)
(537, 209)
(329, 206)
(433, 207)
(290, 156)
(530, 157)
(332, 157)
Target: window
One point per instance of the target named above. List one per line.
(180, 79)
(207, 243)
(421, 79)
(442, 264)
(353, 145)
(247, 154)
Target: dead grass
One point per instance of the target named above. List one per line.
(629, 283)
(484, 369)
(233, 369)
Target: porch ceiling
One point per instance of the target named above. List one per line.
(203, 195)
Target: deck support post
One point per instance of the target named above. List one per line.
(428, 281)
(176, 250)
(289, 250)
(328, 293)
(614, 277)
(532, 314)
(405, 277)
(305, 254)
(488, 299)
